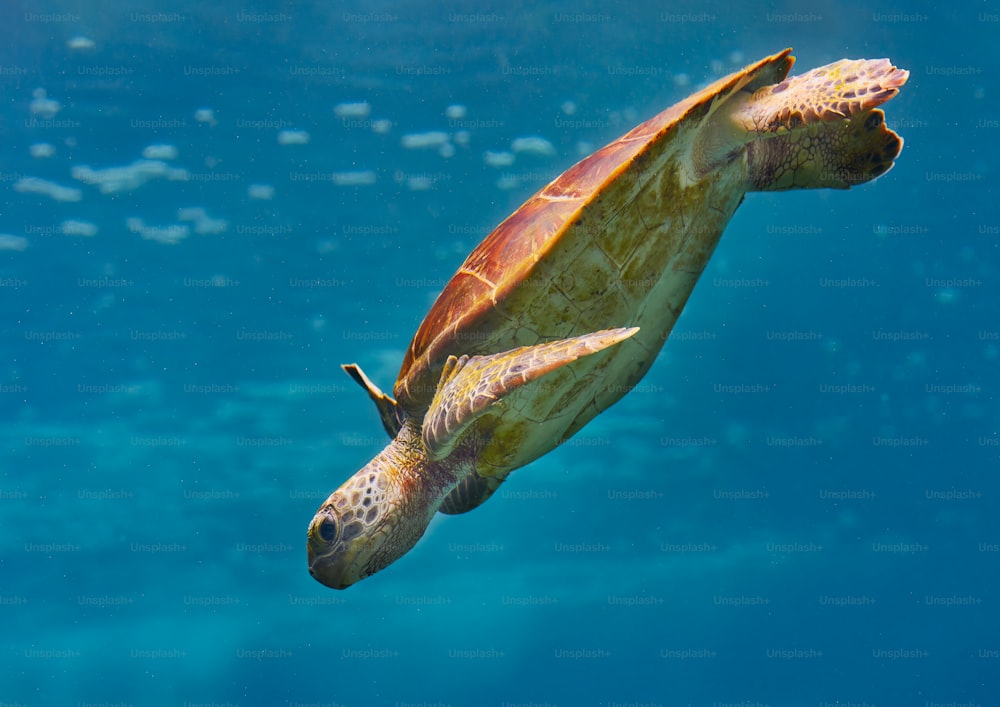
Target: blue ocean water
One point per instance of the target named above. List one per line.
(797, 506)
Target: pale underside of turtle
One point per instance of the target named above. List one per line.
(565, 305)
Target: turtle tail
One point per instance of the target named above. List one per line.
(823, 128)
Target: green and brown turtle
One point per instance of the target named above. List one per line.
(564, 307)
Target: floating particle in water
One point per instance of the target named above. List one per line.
(73, 227)
(357, 109)
(533, 145)
(80, 42)
(568, 108)
(498, 159)
(34, 185)
(946, 295)
(43, 106)
(584, 148)
(263, 192)
(736, 57)
(293, 137)
(42, 150)
(416, 141)
(455, 112)
(831, 345)
(447, 150)
(160, 152)
(682, 80)
(353, 179)
(205, 115)
(381, 126)
(9, 242)
(461, 138)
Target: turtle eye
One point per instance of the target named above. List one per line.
(328, 529)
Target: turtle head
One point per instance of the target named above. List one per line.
(374, 518)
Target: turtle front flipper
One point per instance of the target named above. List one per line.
(822, 129)
(388, 409)
(470, 386)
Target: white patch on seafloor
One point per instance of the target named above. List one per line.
(499, 159)
(508, 182)
(43, 106)
(9, 242)
(80, 42)
(191, 213)
(353, 179)
(74, 227)
(415, 141)
(357, 109)
(34, 185)
(533, 145)
(112, 180)
(170, 235)
(205, 115)
(42, 150)
(204, 224)
(262, 192)
(293, 137)
(160, 152)
(419, 183)
(455, 112)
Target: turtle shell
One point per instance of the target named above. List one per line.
(478, 313)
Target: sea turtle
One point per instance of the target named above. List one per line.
(564, 306)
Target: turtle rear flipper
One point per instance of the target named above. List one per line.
(388, 409)
(822, 129)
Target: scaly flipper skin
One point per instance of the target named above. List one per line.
(836, 91)
(822, 129)
(470, 386)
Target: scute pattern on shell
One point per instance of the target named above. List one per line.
(465, 318)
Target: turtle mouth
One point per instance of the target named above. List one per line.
(328, 563)
(325, 581)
